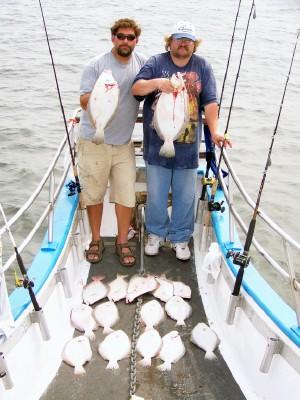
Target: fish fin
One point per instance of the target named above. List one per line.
(99, 136)
(112, 365)
(79, 370)
(167, 149)
(90, 335)
(98, 277)
(180, 323)
(107, 330)
(145, 362)
(210, 355)
(164, 367)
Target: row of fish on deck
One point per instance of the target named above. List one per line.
(116, 345)
(170, 117)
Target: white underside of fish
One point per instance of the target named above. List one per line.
(170, 118)
(178, 309)
(103, 103)
(205, 338)
(107, 315)
(76, 353)
(171, 351)
(148, 345)
(114, 347)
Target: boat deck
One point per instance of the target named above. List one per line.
(193, 377)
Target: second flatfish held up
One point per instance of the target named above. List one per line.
(171, 115)
(103, 103)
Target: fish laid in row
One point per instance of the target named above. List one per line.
(171, 351)
(148, 345)
(116, 346)
(178, 309)
(152, 314)
(107, 315)
(82, 320)
(205, 338)
(94, 291)
(77, 352)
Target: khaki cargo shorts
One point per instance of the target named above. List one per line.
(103, 164)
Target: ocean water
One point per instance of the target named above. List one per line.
(31, 124)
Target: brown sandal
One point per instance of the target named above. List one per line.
(94, 253)
(122, 256)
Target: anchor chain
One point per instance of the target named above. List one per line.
(135, 335)
(136, 321)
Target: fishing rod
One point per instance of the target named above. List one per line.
(229, 57)
(212, 205)
(27, 283)
(243, 259)
(210, 156)
(77, 183)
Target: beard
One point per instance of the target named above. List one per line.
(124, 51)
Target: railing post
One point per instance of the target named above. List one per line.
(231, 236)
(293, 280)
(51, 213)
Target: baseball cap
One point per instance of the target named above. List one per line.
(184, 29)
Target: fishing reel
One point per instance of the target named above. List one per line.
(72, 188)
(208, 181)
(27, 283)
(239, 259)
(216, 206)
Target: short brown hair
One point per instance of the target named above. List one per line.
(126, 23)
(169, 39)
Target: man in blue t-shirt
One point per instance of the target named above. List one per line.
(178, 172)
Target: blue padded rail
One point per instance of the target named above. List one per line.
(253, 283)
(48, 254)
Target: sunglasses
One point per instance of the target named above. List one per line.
(129, 37)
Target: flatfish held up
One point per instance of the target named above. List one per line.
(76, 353)
(94, 291)
(171, 351)
(205, 338)
(107, 315)
(103, 103)
(171, 115)
(115, 347)
(82, 319)
(148, 345)
(178, 309)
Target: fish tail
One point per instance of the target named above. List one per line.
(145, 362)
(112, 365)
(79, 370)
(99, 136)
(180, 322)
(210, 355)
(167, 149)
(90, 334)
(164, 367)
(107, 330)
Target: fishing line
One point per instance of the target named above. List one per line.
(243, 259)
(229, 57)
(61, 106)
(212, 205)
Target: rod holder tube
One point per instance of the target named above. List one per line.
(234, 302)
(5, 374)
(39, 318)
(273, 347)
(62, 276)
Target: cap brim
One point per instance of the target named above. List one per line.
(183, 35)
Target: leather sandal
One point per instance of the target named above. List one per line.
(95, 251)
(122, 255)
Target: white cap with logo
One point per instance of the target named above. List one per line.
(184, 29)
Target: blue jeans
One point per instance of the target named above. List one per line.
(180, 227)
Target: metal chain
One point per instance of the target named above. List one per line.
(136, 321)
(135, 335)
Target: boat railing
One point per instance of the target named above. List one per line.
(287, 241)
(54, 190)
